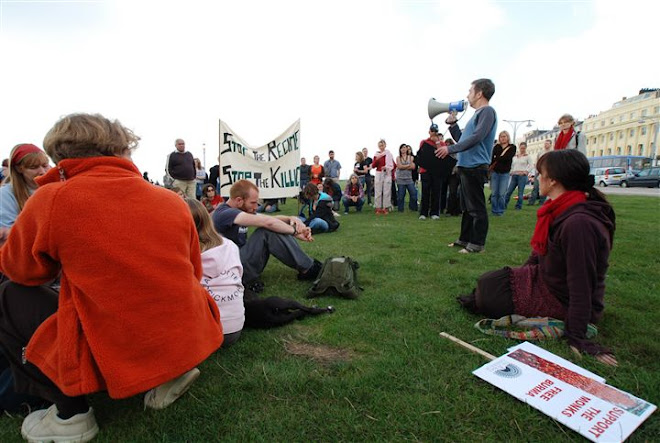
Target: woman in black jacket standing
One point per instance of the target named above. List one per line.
(500, 167)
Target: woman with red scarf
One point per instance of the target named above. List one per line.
(564, 277)
(568, 138)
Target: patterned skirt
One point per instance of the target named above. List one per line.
(531, 296)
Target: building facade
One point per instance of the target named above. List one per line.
(630, 127)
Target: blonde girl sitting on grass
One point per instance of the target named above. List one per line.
(222, 273)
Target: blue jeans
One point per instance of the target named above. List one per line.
(269, 210)
(499, 182)
(412, 196)
(535, 193)
(516, 181)
(317, 225)
(348, 202)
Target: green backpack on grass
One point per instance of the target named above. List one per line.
(338, 276)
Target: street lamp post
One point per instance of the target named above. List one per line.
(515, 123)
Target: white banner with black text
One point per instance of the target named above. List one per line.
(274, 167)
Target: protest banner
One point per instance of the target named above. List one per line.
(569, 394)
(273, 167)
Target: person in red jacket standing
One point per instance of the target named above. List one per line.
(119, 323)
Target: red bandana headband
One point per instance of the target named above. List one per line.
(23, 150)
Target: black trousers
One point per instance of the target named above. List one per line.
(369, 180)
(474, 224)
(443, 195)
(494, 297)
(454, 202)
(431, 188)
(22, 310)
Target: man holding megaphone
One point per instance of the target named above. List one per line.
(474, 149)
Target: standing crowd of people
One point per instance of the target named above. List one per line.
(382, 181)
(68, 330)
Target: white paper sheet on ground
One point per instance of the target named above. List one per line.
(539, 378)
(530, 347)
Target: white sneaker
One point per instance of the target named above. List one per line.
(435, 217)
(422, 217)
(45, 425)
(164, 395)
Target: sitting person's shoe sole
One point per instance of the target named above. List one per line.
(44, 426)
(164, 395)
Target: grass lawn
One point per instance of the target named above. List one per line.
(377, 368)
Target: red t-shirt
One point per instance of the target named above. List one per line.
(316, 174)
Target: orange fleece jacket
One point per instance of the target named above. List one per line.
(132, 313)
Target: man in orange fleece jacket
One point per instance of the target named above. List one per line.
(131, 315)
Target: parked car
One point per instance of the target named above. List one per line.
(610, 176)
(649, 177)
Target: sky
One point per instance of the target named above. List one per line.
(352, 71)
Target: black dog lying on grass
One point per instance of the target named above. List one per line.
(270, 312)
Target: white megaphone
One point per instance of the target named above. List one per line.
(436, 107)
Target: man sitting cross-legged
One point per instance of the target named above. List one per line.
(275, 235)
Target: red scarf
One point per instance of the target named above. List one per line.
(563, 139)
(547, 214)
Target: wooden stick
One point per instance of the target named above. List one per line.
(468, 346)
